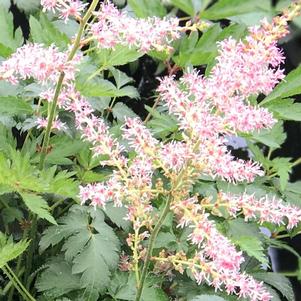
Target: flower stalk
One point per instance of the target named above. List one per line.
(151, 242)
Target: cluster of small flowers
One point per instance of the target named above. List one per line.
(197, 119)
(264, 209)
(217, 262)
(42, 64)
(233, 282)
(131, 183)
(215, 246)
(65, 8)
(117, 28)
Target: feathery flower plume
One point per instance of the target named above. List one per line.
(217, 262)
(117, 28)
(264, 209)
(39, 63)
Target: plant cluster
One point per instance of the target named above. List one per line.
(153, 208)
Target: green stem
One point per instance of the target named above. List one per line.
(17, 283)
(298, 161)
(32, 247)
(150, 248)
(51, 117)
(109, 109)
(149, 115)
(18, 269)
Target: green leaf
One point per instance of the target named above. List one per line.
(92, 263)
(294, 187)
(164, 239)
(190, 7)
(60, 183)
(38, 205)
(89, 243)
(10, 250)
(117, 215)
(248, 238)
(258, 155)
(14, 106)
(120, 111)
(290, 86)
(205, 50)
(273, 293)
(228, 8)
(238, 227)
(118, 56)
(145, 8)
(161, 124)
(128, 91)
(120, 77)
(207, 298)
(282, 167)
(96, 87)
(62, 148)
(45, 32)
(7, 141)
(57, 279)
(123, 287)
(27, 5)
(9, 38)
(253, 247)
(285, 109)
(10, 214)
(252, 18)
(272, 138)
(279, 282)
(18, 174)
(205, 189)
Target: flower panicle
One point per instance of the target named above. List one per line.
(118, 28)
(206, 271)
(263, 209)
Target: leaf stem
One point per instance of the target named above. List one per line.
(151, 246)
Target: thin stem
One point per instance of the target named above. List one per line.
(149, 115)
(269, 153)
(109, 109)
(32, 247)
(51, 117)
(18, 269)
(17, 283)
(150, 248)
(298, 161)
(12, 280)
(136, 258)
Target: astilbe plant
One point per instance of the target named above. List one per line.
(207, 110)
